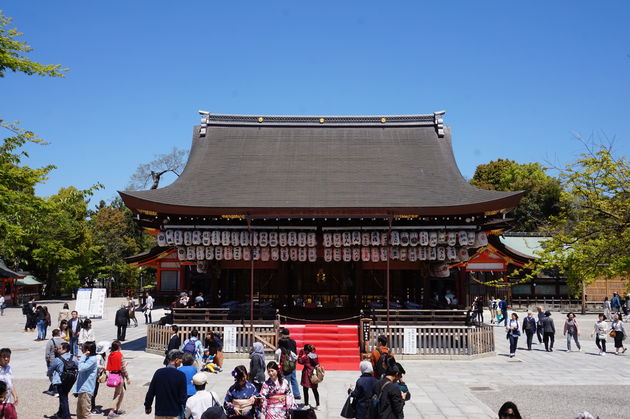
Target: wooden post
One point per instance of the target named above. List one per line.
(389, 256)
(251, 286)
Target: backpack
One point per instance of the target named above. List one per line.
(386, 359)
(190, 347)
(375, 403)
(69, 373)
(318, 374)
(25, 309)
(287, 362)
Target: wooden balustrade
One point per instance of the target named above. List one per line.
(419, 316)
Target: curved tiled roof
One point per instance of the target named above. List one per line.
(273, 164)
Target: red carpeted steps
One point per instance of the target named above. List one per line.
(337, 345)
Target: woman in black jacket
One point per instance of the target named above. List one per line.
(549, 331)
(257, 365)
(390, 398)
(362, 392)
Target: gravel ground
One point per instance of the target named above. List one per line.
(34, 404)
(542, 402)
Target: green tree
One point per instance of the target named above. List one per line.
(542, 192)
(590, 237)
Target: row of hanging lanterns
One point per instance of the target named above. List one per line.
(430, 238)
(236, 238)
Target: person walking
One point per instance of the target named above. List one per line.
(64, 313)
(50, 353)
(572, 331)
(601, 331)
(86, 380)
(40, 316)
(63, 330)
(309, 359)
(168, 388)
(529, 326)
(74, 327)
(241, 396)
(87, 333)
(193, 346)
(101, 373)
(120, 321)
(607, 308)
(479, 310)
(503, 306)
(362, 393)
(615, 303)
(2, 304)
(513, 333)
(202, 400)
(189, 371)
(277, 398)
(404, 390)
(64, 361)
(131, 308)
(214, 343)
(386, 390)
(619, 333)
(549, 331)
(116, 365)
(539, 324)
(492, 306)
(257, 365)
(173, 343)
(381, 357)
(288, 352)
(148, 308)
(28, 309)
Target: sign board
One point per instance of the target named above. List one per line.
(229, 339)
(82, 305)
(410, 341)
(97, 302)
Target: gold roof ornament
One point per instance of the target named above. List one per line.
(260, 119)
(383, 120)
(321, 120)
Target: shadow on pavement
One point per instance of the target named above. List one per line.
(139, 344)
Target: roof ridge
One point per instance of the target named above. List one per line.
(427, 120)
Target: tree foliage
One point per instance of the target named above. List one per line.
(590, 237)
(152, 172)
(542, 192)
(12, 53)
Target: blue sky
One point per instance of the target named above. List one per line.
(517, 79)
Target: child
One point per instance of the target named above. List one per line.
(208, 362)
(7, 410)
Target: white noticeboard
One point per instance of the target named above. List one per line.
(229, 339)
(410, 339)
(97, 302)
(82, 305)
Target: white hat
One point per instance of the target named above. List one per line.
(200, 379)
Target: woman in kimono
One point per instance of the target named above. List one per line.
(241, 397)
(276, 392)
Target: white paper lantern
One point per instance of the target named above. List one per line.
(311, 239)
(423, 253)
(235, 238)
(161, 239)
(451, 238)
(247, 254)
(191, 252)
(273, 238)
(275, 253)
(441, 253)
(312, 254)
(302, 254)
(228, 252)
(365, 239)
(201, 253)
(433, 238)
(238, 253)
(451, 253)
(284, 254)
(471, 238)
(256, 253)
(347, 254)
(375, 238)
(327, 239)
(337, 239)
(181, 253)
(432, 253)
(196, 237)
(441, 237)
(209, 253)
(302, 239)
(463, 238)
(293, 253)
(328, 254)
(356, 254)
(413, 238)
(365, 254)
(423, 238)
(462, 253)
(254, 238)
(337, 254)
(168, 235)
(395, 253)
(403, 254)
(205, 238)
(178, 237)
(395, 240)
(292, 239)
(215, 237)
(263, 239)
(383, 251)
(481, 239)
(412, 254)
(404, 238)
(244, 239)
(282, 239)
(356, 238)
(384, 239)
(218, 253)
(346, 238)
(187, 238)
(225, 238)
(265, 254)
(375, 254)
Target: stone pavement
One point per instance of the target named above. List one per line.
(543, 385)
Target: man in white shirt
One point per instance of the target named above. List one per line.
(202, 400)
(148, 306)
(1, 305)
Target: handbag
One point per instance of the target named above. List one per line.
(102, 376)
(612, 333)
(113, 379)
(348, 410)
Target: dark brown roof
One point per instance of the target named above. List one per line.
(308, 164)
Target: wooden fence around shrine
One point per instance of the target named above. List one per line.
(420, 316)
(447, 340)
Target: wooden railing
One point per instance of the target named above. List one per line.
(219, 315)
(555, 304)
(437, 340)
(419, 316)
(158, 335)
